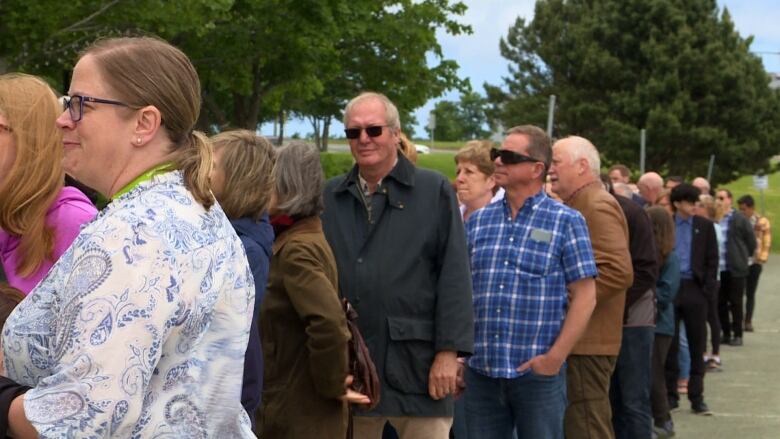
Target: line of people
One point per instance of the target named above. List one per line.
(204, 299)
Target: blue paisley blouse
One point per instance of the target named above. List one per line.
(140, 328)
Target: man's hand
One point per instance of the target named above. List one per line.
(544, 364)
(460, 381)
(443, 377)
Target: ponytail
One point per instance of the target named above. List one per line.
(195, 160)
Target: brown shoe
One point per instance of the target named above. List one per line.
(748, 327)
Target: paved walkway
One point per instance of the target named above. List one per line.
(745, 396)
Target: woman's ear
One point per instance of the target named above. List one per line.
(147, 122)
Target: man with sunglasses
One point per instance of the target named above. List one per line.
(575, 175)
(398, 239)
(534, 292)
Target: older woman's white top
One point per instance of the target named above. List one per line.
(140, 328)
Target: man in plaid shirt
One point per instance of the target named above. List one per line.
(533, 275)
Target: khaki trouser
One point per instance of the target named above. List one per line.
(407, 427)
(589, 414)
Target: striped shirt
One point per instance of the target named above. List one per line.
(520, 269)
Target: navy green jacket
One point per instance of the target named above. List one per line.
(405, 269)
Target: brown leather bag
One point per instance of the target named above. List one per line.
(365, 379)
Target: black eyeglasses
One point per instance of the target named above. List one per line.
(75, 105)
(372, 131)
(510, 157)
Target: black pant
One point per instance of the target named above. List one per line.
(732, 292)
(658, 396)
(691, 308)
(713, 320)
(754, 272)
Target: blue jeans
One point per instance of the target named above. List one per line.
(683, 355)
(629, 390)
(532, 405)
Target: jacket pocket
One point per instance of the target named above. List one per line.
(409, 354)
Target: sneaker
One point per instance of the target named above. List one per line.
(714, 364)
(748, 327)
(664, 431)
(701, 409)
(674, 404)
(736, 341)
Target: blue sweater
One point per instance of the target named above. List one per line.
(258, 240)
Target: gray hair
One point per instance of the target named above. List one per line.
(582, 148)
(298, 180)
(392, 119)
(538, 143)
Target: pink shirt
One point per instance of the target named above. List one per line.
(70, 210)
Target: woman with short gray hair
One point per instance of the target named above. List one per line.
(304, 330)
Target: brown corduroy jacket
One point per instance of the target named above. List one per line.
(609, 237)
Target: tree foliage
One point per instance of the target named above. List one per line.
(257, 59)
(675, 67)
(462, 120)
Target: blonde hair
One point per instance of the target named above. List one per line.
(36, 176)
(714, 208)
(247, 163)
(478, 153)
(148, 71)
(407, 148)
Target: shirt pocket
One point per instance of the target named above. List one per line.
(534, 258)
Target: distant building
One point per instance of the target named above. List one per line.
(774, 80)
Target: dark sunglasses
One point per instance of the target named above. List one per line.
(510, 157)
(372, 131)
(75, 105)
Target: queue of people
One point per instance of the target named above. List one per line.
(534, 299)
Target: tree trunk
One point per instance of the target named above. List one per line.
(325, 133)
(315, 124)
(280, 139)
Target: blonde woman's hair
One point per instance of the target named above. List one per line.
(663, 231)
(407, 148)
(478, 153)
(714, 208)
(247, 163)
(36, 176)
(146, 71)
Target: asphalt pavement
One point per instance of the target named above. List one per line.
(745, 396)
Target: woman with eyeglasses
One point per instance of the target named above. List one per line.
(39, 218)
(140, 330)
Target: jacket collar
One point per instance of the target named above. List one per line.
(402, 172)
(310, 224)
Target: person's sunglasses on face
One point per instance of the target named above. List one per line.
(510, 157)
(372, 131)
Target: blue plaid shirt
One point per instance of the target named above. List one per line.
(520, 269)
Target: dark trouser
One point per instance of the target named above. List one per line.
(754, 272)
(732, 291)
(691, 308)
(714, 320)
(658, 396)
(589, 414)
(629, 391)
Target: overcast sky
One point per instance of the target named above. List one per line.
(480, 61)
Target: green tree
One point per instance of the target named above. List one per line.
(677, 68)
(258, 60)
(448, 121)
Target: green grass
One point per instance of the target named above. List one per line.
(771, 203)
(448, 145)
(337, 163)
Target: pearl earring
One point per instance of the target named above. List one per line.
(138, 140)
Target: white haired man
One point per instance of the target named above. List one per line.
(650, 185)
(575, 178)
